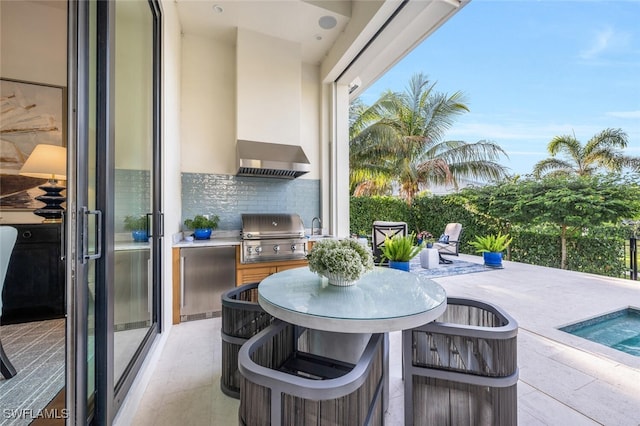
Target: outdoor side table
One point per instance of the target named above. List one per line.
(429, 258)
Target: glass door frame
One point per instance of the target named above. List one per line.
(103, 404)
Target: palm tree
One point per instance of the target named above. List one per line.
(400, 139)
(603, 151)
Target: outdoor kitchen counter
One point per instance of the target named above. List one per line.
(229, 241)
(245, 273)
(213, 242)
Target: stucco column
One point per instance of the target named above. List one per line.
(339, 161)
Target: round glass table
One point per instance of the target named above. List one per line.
(381, 301)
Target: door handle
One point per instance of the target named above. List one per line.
(85, 234)
(149, 224)
(63, 237)
(181, 282)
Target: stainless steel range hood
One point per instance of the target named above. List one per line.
(271, 160)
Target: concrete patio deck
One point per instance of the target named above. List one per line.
(564, 379)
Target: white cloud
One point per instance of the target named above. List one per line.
(537, 132)
(602, 40)
(606, 41)
(623, 114)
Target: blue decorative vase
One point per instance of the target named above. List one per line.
(202, 234)
(492, 259)
(403, 266)
(140, 235)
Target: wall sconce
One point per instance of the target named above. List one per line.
(48, 162)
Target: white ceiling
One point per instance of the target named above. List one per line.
(292, 20)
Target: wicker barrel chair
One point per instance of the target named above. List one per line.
(462, 368)
(285, 385)
(242, 318)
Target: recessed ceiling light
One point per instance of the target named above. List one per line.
(217, 8)
(327, 22)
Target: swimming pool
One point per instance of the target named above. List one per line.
(619, 330)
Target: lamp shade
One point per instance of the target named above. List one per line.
(47, 162)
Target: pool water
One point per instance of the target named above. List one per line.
(619, 330)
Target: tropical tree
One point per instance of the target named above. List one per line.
(399, 139)
(603, 151)
(571, 204)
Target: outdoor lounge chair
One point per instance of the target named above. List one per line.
(449, 243)
(381, 230)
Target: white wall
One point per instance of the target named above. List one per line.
(277, 100)
(133, 87)
(268, 88)
(33, 48)
(208, 122)
(311, 119)
(34, 41)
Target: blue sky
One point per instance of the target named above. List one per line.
(532, 70)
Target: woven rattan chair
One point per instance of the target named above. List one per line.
(242, 318)
(462, 368)
(8, 236)
(284, 385)
(380, 231)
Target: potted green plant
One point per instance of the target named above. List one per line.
(138, 227)
(202, 226)
(342, 261)
(491, 246)
(425, 237)
(399, 250)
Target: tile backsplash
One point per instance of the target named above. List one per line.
(132, 195)
(229, 196)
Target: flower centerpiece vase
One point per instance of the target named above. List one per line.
(342, 262)
(337, 279)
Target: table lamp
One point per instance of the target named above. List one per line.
(48, 162)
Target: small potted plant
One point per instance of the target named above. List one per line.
(491, 246)
(399, 250)
(138, 227)
(202, 226)
(425, 237)
(343, 262)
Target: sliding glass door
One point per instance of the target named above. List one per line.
(116, 224)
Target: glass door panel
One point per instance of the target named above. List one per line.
(133, 198)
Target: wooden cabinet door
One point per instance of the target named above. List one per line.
(253, 275)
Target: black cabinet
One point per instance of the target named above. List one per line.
(34, 286)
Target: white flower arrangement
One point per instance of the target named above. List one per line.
(345, 258)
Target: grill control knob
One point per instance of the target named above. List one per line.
(249, 250)
(276, 248)
(293, 247)
(258, 249)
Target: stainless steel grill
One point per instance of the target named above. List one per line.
(269, 237)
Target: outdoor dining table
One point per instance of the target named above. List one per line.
(381, 301)
(341, 319)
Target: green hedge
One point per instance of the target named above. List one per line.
(365, 210)
(600, 251)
